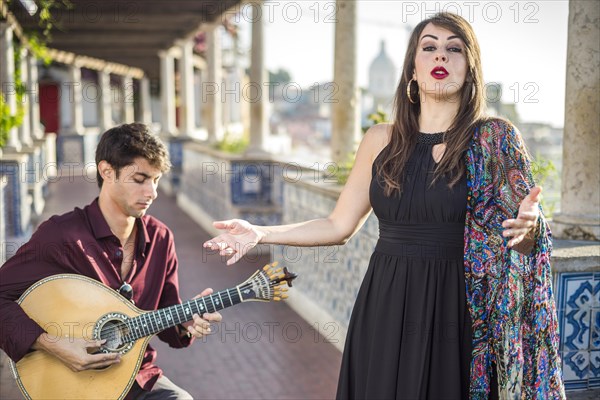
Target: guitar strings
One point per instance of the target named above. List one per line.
(116, 328)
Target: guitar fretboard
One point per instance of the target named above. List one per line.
(157, 321)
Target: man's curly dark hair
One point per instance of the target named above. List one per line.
(121, 145)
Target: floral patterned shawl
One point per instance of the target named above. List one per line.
(509, 295)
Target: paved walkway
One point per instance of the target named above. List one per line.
(259, 351)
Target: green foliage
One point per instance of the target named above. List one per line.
(378, 117)
(230, 144)
(281, 77)
(7, 121)
(46, 20)
(19, 85)
(545, 173)
(341, 171)
(38, 48)
(543, 169)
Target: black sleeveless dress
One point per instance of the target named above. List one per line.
(409, 335)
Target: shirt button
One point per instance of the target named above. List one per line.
(119, 253)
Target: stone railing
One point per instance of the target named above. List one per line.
(216, 185)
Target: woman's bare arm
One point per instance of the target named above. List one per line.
(350, 212)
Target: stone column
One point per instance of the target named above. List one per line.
(198, 76)
(145, 109)
(128, 95)
(237, 74)
(167, 93)
(7, 81)
(38, 163)
(211, 88)
(579, 217)
(25, 127)
(345, 118)
(105, 101)
(187, 117)
(258, 93)
(75, 90)
(74, 147)
(33, 88)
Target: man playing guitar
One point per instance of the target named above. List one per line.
(113, 241)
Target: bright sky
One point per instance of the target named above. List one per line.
(524, 43)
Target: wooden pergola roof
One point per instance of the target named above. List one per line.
(129, 32)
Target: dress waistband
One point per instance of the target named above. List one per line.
(438, 240)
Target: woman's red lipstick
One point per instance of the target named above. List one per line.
(439, 73)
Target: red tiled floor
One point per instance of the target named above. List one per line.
(259, 351)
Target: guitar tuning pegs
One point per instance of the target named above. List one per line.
(270, 266)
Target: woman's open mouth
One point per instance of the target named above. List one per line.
(439, 73)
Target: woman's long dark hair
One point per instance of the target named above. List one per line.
(406, 114)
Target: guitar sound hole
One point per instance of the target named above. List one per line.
(113, 328)
(114, 332)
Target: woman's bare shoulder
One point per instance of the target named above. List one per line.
(377, 137)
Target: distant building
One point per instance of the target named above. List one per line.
(383, 80)
(495, 106)
(304, 114)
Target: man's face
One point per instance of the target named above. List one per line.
(135, 188)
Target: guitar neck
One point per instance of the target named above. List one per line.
(154, 322)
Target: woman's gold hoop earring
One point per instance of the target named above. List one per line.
(408, 92)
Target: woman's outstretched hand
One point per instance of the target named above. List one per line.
(239, 238)
(522, 227)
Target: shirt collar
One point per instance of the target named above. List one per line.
(101, 229)
(98, 223)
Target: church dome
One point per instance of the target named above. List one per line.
(382, 74)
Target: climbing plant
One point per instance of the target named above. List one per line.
(36, 43)
(8, 120)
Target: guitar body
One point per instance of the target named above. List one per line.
(74, 306)
(70, 306)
